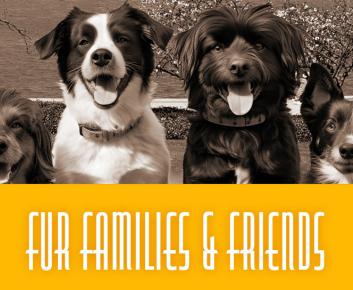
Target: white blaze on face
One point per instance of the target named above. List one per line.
(349, 139)
(104, 88)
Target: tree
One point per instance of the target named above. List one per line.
(328, 33)
(180, 15)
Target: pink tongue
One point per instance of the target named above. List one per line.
(5, 171)
(240, 99)
(106, 91)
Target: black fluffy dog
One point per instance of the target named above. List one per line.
(330, 120)
(239, 69)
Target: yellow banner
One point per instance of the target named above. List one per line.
(176, 237)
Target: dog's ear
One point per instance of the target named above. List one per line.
(155, 31)
(43, 170)
(292, 44)
(52, 42)
(320, 90)
(186, 48)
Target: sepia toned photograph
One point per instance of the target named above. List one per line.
(176, 92)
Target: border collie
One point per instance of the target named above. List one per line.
(108, 132)
(330, 120)
(239, 67)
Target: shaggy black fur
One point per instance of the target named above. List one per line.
(269, 50)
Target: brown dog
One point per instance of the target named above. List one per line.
(25, 145)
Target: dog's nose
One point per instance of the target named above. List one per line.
(3, 147)
(239, 67)
(346, 151)
(102, 57)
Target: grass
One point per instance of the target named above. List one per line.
(174, 120)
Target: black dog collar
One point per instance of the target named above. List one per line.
(234, 122)
(95, 133)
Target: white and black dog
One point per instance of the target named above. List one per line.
(330, 121)
(108, 132)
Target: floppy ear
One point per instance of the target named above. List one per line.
(52, 42)
(43, 170)
(158, 33)
(292, 45)
(49, 44)
(155, 31)
(320, 90)
(186, 48)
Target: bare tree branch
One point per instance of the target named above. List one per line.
(161, 69)
(327, 30)
(22, 32)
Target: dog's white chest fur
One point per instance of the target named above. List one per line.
(243, 175)
(140, 156)
(79, 160)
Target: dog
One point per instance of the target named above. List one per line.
(25, 145)
(108, 132)
(330, 121)
(239, 67)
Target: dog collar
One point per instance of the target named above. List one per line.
(95, 133)
(236, 121)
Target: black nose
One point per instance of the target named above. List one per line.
(239, 67)
(101, 57)
(346, 151)
(3, 147)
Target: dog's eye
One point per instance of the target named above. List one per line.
(83, 42)
(217, 48)
(331, 126)
(122, 39)
(16, 125)
(259, 46)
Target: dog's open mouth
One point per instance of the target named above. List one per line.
(240, 97)
(8, 172)
(105, 90)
